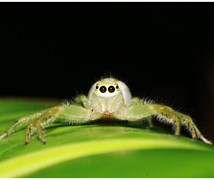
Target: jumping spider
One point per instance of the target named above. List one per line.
(108, 98)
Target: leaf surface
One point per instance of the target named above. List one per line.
(98, 150)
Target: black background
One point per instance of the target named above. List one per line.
(163, 51)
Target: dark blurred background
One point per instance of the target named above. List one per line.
(163, 51)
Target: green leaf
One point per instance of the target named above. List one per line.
(98, 150)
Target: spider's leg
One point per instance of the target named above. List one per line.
(74, 114)
(83, 100)
(39, 123)
(137, 101)
(28, 133)
(149, 121)
(21, 124)
(188, 122)
(70, 114)
(144, 111)
(166, 114)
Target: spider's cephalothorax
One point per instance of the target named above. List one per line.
(107, 98)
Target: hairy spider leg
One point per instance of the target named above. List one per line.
(65, 114)
(138, 101)
(166, 114)
(21, 124)
(82, 100)
(188, 122)
(39, 123)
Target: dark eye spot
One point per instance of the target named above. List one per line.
(111, 89)
(97, 86)
(103, 89)
(117, 87)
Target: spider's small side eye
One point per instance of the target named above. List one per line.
(111, 89)
(117, 87)
(103, 89)
(97, 87)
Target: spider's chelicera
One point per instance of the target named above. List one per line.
(107, 98)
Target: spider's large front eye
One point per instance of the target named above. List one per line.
(111, 89)
(103, 89)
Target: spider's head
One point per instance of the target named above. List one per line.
(110, 87)
(107, 87)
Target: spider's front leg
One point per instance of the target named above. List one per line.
(68, 113)
(39, 123)
(79, 112)
(167, 114)
(137, 101)
(21, 124)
